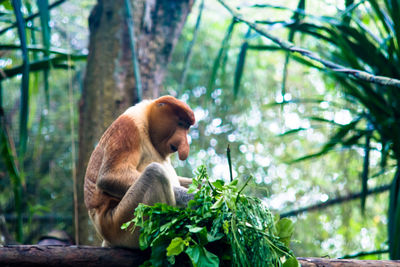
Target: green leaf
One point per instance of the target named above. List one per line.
(217, 61)
(365, 172)
(144, 242)
(7, 5)
(158, 253)
(234, 182)
(212, 238)
(285, 229)
(297, 16)
(201, 234)
(240, 65)
(336, 139)
(195, 229)
(218, 203)
(188, 53)
(24, 112)
(289, 132)
(201, 257)
(44, 13)
(176, 247)
(126, 225)
(218, 184)
(291, 262)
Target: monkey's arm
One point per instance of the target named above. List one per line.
(121, 153)
(185, 182)
(116, 182)
(181, 196)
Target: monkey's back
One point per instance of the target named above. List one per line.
(93, 196)
(117, 145)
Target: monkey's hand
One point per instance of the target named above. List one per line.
(182, 197)
(185, 182)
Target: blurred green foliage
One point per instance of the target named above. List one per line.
(253, 127)
(247, 121)
(44, 167)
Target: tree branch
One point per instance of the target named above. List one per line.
(357, 74)
(56, 62)
(334, 201)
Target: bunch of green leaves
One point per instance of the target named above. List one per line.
(220, 226)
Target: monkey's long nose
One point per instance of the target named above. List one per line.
(183, 150)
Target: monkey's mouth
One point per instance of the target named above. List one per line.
(174, 148)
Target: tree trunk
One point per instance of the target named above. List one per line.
(109, 85)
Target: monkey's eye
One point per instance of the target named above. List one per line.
(183, 124)
(174, 148)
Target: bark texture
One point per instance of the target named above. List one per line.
(73, 256)
(322, 262)
(60, 256)
(109, 85)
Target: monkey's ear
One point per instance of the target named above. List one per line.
(180, 108)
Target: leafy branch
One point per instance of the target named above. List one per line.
(288, 46)
(220, 227)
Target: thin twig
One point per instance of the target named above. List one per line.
(365, 253)
(228, 154)
(242, 188)
(357, 74)
(73, 145)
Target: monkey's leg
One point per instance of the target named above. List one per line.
(153, 186)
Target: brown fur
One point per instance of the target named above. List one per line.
(113, 151)
(119, 174)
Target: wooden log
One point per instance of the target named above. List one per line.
(87, 256)
(69, 256)
(323, 262)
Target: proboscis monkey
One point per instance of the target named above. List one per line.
(131, 165)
